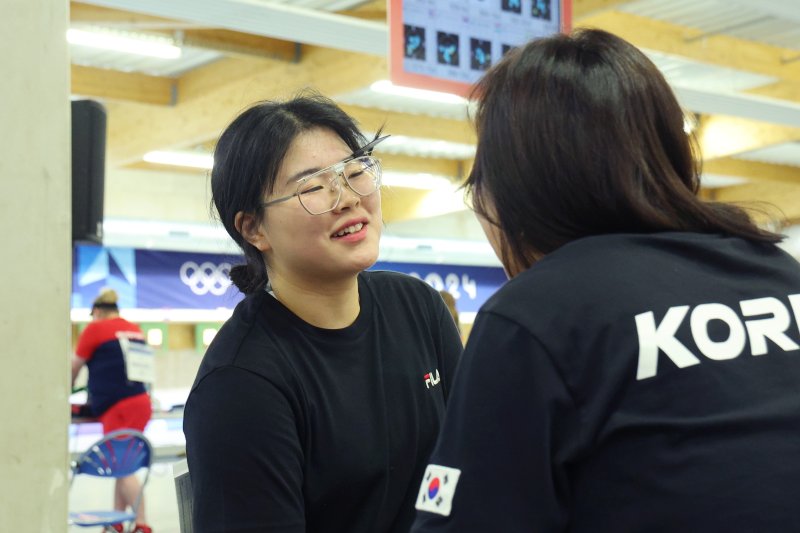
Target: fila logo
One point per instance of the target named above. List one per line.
(431, 381)
(774, 320)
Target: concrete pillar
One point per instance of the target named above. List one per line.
(35, 267)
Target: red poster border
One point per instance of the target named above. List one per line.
(399, 76)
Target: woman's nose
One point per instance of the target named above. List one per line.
(348, 197)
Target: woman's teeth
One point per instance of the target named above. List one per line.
(350, 229)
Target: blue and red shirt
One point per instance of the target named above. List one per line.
(99, 345)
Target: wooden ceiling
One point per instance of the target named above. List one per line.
(189, 111)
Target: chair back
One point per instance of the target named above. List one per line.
(118, 454)
(183, 490)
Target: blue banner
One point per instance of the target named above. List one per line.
(470, 286)
(152, 279)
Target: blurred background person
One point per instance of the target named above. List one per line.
(450, 302)
(639, 372)
(114, 400)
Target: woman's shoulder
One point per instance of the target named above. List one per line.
(241, 342)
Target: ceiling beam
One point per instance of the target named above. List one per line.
(81, 13)
(243, 44)
(91, 15)
(782, 9)
(122, 86)
(190, 34)
(375, 10)
(766, 201)
(718, 49)
(753, 170)
(782, 90)
(722, 136)
(206, 105)
(276, 20)
(390, 163)
(744, 106)
(370, 119)
(586, 8)
(403, 163)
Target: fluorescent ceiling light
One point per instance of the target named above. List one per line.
(412, 180)
(424, 147)
(138, 44)
(428, 182)
(387, 87)
(713, 181)
(181, 159)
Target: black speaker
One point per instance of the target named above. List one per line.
(88, 170)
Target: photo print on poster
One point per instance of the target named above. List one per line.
(480, 54)
(512, 6)
(540, 9)
(414, 42)
(447, 48)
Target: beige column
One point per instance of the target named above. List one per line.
(35, 266)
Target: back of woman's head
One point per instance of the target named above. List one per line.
(581, 135)
(248, 157)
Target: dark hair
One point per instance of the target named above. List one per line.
(248, 156)
(581, 135)
(106, 300)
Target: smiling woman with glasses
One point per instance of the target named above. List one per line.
(311, 411)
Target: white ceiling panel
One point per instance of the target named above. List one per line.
(691, 74)
(190, 58)
(403, 104)
(421, 147)
(779, 154)
(714, 181)
(280, 20)
(775, 22)
(322, 5)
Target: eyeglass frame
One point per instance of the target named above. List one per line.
(364, 151)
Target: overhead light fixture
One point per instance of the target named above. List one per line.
(145, 45)
(387, 87)
(416, 180)
(425, 147)
(181, 159)
(411, 180)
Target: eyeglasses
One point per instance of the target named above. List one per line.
(321, 191)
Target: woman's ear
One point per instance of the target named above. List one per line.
(251, 229)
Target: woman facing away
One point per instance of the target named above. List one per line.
(645, 355)
(317, 404)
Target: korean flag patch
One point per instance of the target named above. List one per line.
(437, 490)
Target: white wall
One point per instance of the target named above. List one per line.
(35, 224)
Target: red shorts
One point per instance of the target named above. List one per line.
(131, 413)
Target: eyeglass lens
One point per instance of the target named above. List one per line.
(321, 192)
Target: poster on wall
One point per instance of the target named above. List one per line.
(447, 45)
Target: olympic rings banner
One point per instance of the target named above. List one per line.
(154, 279)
